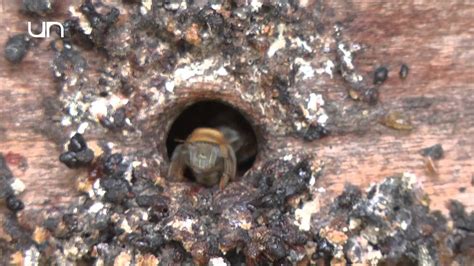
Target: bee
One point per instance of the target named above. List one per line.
(210, 154)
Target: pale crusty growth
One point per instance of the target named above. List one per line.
(126, 69)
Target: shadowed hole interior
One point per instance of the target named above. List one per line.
(215, 114)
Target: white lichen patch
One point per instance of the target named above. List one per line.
(32, 257)
(245, 224)
(373, 256)
(217, 262)
(346, 54)
(222, 71)
(305, 70)
(82, 128)
(83, 22)
(200, 71)
(75, 108)
(354, 223)
(303, 215)
(314, 111)
(66, 121)
(183, 225)
(304, 3)
(147, 4)
(97, 190)
(175, 5)
(410, 180)
(404, 225)
(322, 119)
(96, 207)
(128, 174)
(100, 107)
(18, 186)
(255, 5)
(169, 86)
(299, 43)
(125, 226)
(328, 68)
(424, 256)
(279, 43)
(315, 102)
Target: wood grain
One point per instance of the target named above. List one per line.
(435, 38)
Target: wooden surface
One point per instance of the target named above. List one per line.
(435, 38)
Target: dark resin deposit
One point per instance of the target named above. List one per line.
(126, 70)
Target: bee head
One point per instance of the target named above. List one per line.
(203, 155)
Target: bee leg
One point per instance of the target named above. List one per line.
(230, 167)
(177, 164)
(223, 182)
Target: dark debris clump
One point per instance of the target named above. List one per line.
(127, 214)
(435, 152)
(461, 219)
(100, 23)
(126, 217)
(380, 75)
(14, 204)
(8, 194)
(38, 7)
(315, 132)
(461, 241)
(115, 121)
(292, 183)
(78, 154)
(16, 48)
(391, 224)
(404, 70)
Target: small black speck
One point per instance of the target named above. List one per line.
(320, 28)
(16, 48)
(325, 249)
(116, 121)
(210, 18)
(14, 204)
(462, 189)
(126, 88)
(71, 221)
(371, 96)
(436, 152)
(51, 223)
(404, 70)
(315, 132)
(380, 75)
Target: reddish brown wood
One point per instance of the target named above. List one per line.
(435, 38)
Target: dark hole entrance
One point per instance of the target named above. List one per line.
(215, 114)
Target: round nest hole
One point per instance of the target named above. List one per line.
(215, 114)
